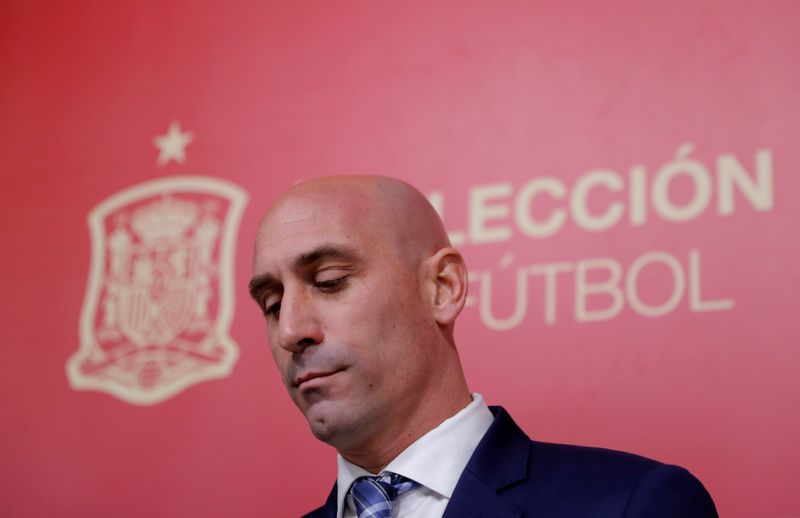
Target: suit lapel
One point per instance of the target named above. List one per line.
(500, 460)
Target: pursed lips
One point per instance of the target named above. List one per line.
(308, 376)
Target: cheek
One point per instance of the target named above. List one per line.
(391, 333)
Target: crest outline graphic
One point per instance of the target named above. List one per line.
(163, 281)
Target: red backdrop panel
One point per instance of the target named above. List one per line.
(621, 178)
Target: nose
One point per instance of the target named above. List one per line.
(298, 322)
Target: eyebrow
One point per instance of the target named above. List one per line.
(324, 253)
(319, 254)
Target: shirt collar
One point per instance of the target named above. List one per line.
(436, 459)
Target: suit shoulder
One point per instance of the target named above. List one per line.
(590, 460)
(628, 484)
(559, 480)
(667, 491)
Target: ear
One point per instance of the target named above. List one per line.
(446, 275)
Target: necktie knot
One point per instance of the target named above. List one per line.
(374, 496)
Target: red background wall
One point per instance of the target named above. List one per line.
(453, 97)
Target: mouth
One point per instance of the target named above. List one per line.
(309, 377)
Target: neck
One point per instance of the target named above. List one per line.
(384, 446)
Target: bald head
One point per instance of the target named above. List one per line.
(377, 204)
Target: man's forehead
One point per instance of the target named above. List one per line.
(296, 216)
(297, 225)
(372, 214)
(288, 220)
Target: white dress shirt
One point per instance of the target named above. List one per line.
(435, 461)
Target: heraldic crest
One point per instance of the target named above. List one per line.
(159, 300)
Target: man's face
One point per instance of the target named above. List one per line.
(345, 314)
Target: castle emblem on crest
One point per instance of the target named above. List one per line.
(159, 301)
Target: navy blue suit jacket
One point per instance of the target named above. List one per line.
(511, 476)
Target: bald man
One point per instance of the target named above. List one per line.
(360, 289)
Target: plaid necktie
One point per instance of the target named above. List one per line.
(373, 496)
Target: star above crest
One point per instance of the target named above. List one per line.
(172, 145)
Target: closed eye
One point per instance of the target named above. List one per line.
(271, 306)
(273, 310)
(331, 285)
